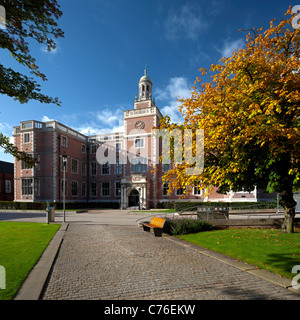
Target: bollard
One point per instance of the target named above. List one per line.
(50, 212)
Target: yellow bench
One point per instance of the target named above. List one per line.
(157, 224)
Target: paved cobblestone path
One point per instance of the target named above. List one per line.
(123, 262)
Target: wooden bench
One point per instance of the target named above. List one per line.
(157, 224)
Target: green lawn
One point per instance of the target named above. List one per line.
(21, 245)
(268, 249)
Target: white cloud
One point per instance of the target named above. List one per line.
(53, 51)
(92, 123)
(109, 116)
(46, 119)
(103, 121)
(6, 128)
(176, 89)
(44, 49)
(186, 22)
(87, 129)
(231, 45)
(91, 129)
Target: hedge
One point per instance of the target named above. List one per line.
(84, 205)
(165, 205)
(58, 205)
(23, 205)
(186, 226)
(179, 206)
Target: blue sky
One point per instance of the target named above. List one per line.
(97, 65)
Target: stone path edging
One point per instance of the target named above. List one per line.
(252, 269)
(33, 285)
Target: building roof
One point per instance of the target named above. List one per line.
(6, 167)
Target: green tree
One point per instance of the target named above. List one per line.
(26, 20)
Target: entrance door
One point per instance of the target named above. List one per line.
(134, 198)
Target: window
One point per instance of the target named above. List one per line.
(105, 168)
(165, 188)
(37, 187)
(197, 190)
(93, 189)
(64, 141)
(74, 167)
(27, 125)
(179, 191)
(94, 168)
(118, 189)
(166, 167)
(26, 137)
(27, 186)
(118, 167)
(105, 190)
(83, 189)
(7, 186)
(62, 187)
(83, 168)
(37, 165)
(25, 166)
(139, 164)
(93, 148)
(83, 148)
(74, 188)
(64, 163)
(118, 146)
(139, 143)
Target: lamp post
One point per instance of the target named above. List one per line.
(64, 158)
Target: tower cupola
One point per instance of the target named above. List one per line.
(145, 87)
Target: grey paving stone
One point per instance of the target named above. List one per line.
(123, 262)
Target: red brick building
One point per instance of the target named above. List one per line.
(124, 176)
(6, 181)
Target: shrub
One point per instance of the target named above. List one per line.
(165, 205)
(18, 205)
(22, 205)
(185, 226)
(179, 206)
(84, 205)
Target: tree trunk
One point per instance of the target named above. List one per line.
(286, 194)
(289, 205)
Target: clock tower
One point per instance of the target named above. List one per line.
(138, 186)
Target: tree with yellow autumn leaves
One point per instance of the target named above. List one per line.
(250, 113)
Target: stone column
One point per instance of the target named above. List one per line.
(123, 197)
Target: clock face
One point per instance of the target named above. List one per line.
(139, 125)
